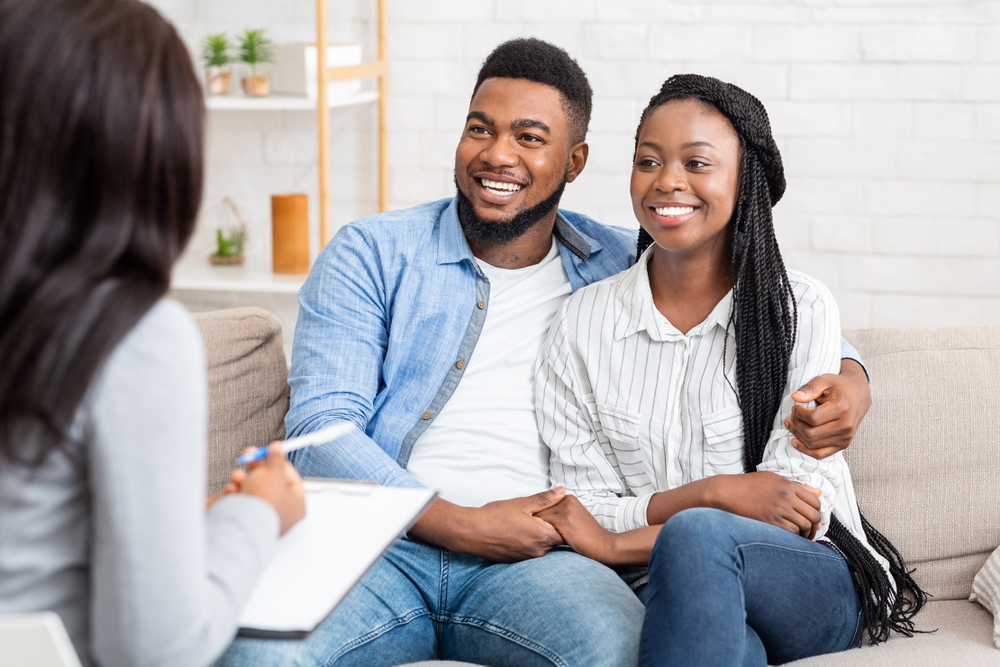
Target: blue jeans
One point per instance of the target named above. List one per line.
(727, 590)
(421, 602)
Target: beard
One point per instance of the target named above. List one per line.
(480, 232)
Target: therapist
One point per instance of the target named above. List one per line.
(103, 392)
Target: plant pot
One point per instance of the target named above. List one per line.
(258, 86)
(226, 261)
(217, 80)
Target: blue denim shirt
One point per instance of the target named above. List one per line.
(390, 307)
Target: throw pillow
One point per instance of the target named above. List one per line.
(986, 591)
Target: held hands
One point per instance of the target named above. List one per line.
(580, 529)
(842, 402)
(510, 531)
(768, 497)
(272, 479)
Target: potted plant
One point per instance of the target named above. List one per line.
(255, 49)
(229, 246)
(215, 54)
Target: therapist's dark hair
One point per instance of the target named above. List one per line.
(101, 121)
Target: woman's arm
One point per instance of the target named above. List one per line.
(817, 351)
(167, 582)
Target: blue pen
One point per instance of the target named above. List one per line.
(320, 437)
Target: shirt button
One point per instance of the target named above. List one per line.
(481, 305)
(426, 415)
(460, 365)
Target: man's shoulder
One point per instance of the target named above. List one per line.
(403, 222)
(617, 237)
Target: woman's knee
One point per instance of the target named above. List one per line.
(695, 533)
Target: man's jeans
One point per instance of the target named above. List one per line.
(727, 590)
(421, 602)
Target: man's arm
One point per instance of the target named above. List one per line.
(842, 402)
(340, 342)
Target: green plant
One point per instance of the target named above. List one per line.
(215, 50)
(230, 244)
(255, 48)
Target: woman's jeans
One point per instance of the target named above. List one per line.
(727, 590)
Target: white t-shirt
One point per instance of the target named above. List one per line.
(484, 445)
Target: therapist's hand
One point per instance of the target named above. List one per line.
(505, 531)
(275, 480)
(842, 402)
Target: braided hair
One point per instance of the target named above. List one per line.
(764, 316)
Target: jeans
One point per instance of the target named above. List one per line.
(727, 590)
(421, 602)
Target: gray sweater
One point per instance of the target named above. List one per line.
(121, 547)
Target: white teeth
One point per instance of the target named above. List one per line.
(673, 211)
(498, 185)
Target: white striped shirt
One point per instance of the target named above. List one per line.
(629, 406)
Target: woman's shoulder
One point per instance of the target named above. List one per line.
(809, 291)
(164, 347)
(602, 293)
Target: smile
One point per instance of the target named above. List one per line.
(500, 187)
(673, 211)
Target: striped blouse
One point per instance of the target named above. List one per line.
(628, 405)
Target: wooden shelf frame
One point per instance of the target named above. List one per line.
(375, 69)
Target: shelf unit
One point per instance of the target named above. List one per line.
(196, 276)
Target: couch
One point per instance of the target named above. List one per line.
(926, 461)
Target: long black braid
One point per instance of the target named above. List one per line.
(763, 316)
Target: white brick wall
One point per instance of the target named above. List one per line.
(887, 113)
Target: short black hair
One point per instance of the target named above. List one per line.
(532, 59)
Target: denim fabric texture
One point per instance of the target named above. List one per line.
(421, 602)
(390, 306)
(727, 590)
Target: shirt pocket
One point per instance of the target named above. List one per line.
(723, 430)
(621, 427)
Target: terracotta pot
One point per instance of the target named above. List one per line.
(217, 80)
(258, 86)
(223, 261)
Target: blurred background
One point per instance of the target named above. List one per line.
(887, 113)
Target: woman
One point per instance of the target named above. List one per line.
(662, 393)
(103, 394)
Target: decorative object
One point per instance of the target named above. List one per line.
(215, 54)
(294, 71)
(255, 49)
(231, 242)
(290, 233)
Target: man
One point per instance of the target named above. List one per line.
(422, 327)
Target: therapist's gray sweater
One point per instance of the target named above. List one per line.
(121, 546)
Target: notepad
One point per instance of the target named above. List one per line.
(347, 527)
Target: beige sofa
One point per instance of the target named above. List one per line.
(926, 462)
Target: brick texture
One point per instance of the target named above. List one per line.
(888, 115)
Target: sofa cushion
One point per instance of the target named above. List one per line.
(963, 635)
(247, 385)
(926, 459)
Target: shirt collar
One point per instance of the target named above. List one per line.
(636, 311)
(452, 246)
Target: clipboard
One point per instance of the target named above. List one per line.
(347, 527)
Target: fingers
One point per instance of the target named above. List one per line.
(821, 449)
(809, 496)
(544, 500)
(813, 389)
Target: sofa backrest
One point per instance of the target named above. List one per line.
(926, 460)
(247, 385)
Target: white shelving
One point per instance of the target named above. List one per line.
(206, 277)
(286, 102)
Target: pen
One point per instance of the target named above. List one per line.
(320, 437)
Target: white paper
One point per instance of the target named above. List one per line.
(347, 527)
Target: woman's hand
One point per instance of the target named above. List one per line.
(842, 401)
(768, 497)
(272, 479)
(580, 529)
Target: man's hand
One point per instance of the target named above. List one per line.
(505, 531)
(768, 497)
(580, 529)
(842, 402)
